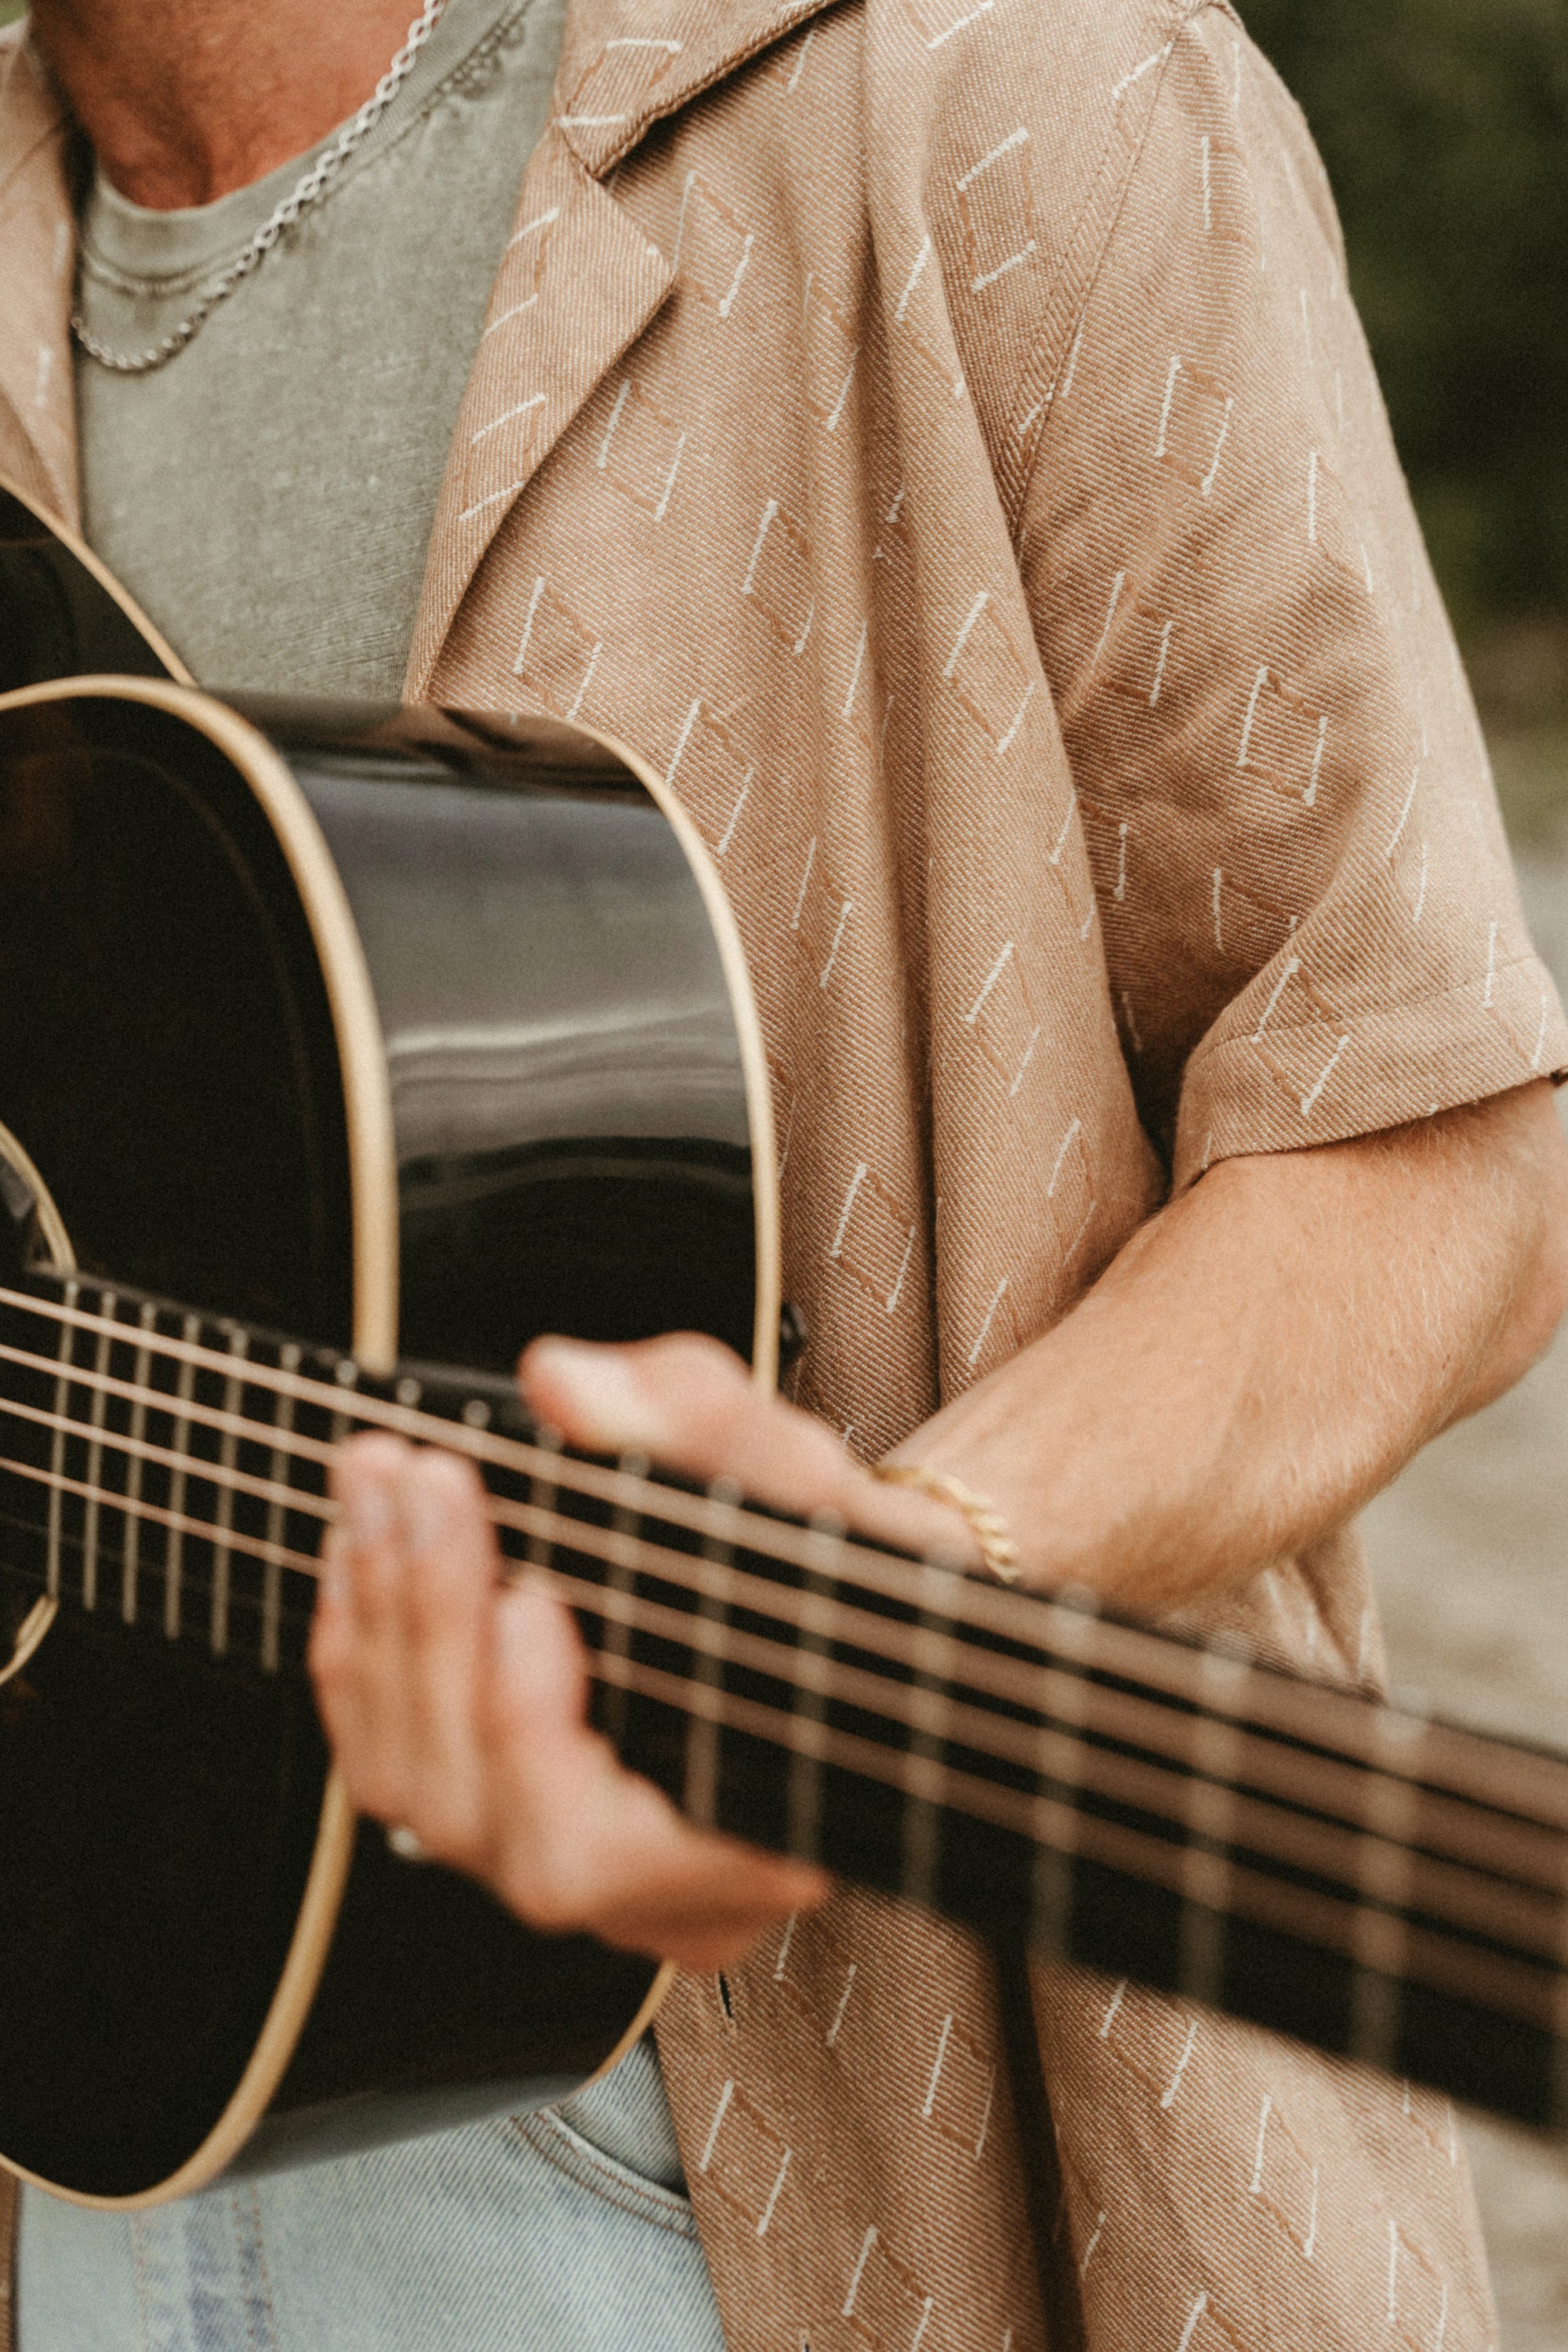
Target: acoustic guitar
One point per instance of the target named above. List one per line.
(341, 1051)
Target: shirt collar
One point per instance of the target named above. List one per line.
(627, 63)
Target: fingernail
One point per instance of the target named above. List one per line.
(610, 1403)
(368, 1511)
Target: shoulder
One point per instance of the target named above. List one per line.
(1073, 64)
(1083, 81)
(1042, 107)
(1002, 135)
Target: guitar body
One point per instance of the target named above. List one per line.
(410, 1036)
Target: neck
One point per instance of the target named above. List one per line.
(184, 101)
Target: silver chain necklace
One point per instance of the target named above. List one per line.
(308, 191)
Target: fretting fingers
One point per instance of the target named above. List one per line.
(408, 1590)
(356, 1638)
(447, 1599)
(458, 1707)
(683, 1398)
(587, 1845)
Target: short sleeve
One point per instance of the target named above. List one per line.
(1311, 919)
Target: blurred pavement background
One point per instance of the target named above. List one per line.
(1469, 1551)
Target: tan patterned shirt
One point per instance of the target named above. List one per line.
(937, 435)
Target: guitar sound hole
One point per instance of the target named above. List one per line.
(32, 1233)
(18, 1227)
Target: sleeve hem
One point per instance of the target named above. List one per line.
(1289, 1089)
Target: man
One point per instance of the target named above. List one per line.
(935, 433)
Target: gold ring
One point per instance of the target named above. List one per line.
(998, 1552)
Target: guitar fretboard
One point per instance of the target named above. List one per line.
(1382, 1888)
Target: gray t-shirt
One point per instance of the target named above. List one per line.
(268, 495)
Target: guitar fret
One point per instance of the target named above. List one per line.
(58, 1452)
(174, 1546)
(1217, 1744)
(95, 1467)
(130, 1561)
(223, 1516)
(1054, 1873)
(289, 1358)
(700, 1800)
(540, 1549)
(808, 1701)
(346, 1374)
(931, 1721)
(1380, 1940)
(620, 1577)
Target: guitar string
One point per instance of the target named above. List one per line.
(1279, 1703)
(1446, 1884)
(1159, 1661)
(1450, 1830)
(1531, 1783)
(1508, 1983)
(443, 1432)
(1315, 1844)
(1517, 1987)
(1531, 1917)
(1177, 1668)
(1138, 1722)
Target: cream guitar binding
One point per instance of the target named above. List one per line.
(560, 1155)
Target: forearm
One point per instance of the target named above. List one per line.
(1270, 1349)
(1258, 1360)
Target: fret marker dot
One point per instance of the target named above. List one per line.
(409, 1391)
(477, 1414)
(347, 1374)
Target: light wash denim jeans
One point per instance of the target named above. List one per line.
(566, 2230)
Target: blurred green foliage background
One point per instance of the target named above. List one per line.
(1445, 127)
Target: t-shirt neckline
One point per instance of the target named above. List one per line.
(140, 251)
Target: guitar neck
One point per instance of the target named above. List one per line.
(1381, 1887)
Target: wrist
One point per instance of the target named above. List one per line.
(990, 1533)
